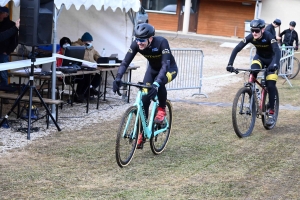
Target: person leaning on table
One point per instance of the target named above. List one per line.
(63, 43)
(91, 55)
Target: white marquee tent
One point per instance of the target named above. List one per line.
(110, 22)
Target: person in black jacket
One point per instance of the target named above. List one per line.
(10, 32)
(267, 54)
(271, 28)
(290, 35)
(8, 45)
(161, 69)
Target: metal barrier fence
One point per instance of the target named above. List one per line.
(190, 69)
(286, 61)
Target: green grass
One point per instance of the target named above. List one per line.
(204, 159)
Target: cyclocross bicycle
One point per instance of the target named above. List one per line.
(134, 122)
(252, 102)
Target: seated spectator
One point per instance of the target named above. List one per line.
(64, 43)
(91, 55)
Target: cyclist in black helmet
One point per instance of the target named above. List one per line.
(271, 28)
(290, 35)
(267, 54)
(161, 69)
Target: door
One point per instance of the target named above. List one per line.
(193, 16)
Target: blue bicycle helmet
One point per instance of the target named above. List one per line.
(144, 31)
(257, 23)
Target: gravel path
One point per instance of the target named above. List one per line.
(74, 118)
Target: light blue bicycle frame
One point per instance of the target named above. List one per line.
(140, 113)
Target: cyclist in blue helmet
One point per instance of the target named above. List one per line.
(161, 69)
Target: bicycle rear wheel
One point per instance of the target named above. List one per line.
(296, 68)
(158, 143)
(127, 137)
(264, 117)
(243, 117)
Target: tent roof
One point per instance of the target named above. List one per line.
(113, 4)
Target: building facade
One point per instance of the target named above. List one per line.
(210, 17)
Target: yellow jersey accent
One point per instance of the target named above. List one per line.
(169, 76)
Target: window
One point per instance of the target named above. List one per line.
(160, 5)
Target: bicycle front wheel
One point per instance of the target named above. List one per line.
(158, 143)
(127, 137)
(296, 68)
(243, 113)
(265, 108)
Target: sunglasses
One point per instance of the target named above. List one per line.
(255, 30)
(140, 40)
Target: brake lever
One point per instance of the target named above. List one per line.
(235, 71)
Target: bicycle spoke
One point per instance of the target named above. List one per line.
(158, 143)
(265, 111)
(127, 137)
(243, 113)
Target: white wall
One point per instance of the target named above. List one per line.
(285, 10)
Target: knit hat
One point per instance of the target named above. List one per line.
(86, 37)
(64, 40)
(4, 10)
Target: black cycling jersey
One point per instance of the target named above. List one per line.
(270, 28)
(266, 47)
(289, 37)
(157, 53)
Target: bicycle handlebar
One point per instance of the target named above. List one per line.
(138, 85)
(237, 70)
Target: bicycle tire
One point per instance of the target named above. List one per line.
(264, 116)
(126, 142)
(296, 68)
(239, 117)
(159, 142)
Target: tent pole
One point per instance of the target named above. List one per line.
(53, 77)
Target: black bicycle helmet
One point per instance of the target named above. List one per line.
(144, 31)
(277, 22)
(292, 23)
(257, 23)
